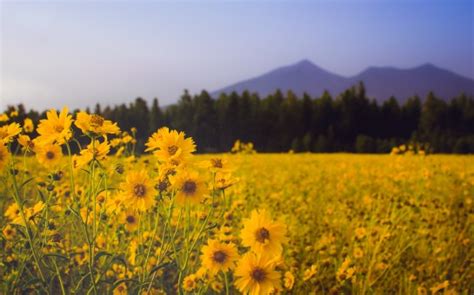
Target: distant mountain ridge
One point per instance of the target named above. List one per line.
(380, 82)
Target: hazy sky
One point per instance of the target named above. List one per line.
(76, 53)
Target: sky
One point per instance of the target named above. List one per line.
(77, 53)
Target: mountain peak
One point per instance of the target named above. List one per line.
(380, 82)
(304, 62)
(428, 65)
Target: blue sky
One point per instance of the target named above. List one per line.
(77, 53)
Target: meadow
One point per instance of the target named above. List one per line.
(108, 221)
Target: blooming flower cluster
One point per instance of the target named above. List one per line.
(84, 214)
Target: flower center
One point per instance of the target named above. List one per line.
(139, 190)
(120, 288)
(95, 152)
(172, 150)
(59, 128)
(189, 187)
(50, 155)
(130, 219)
(258, 274)
(162, 185)
(262, 234)
(219, 256)
(217, 163)
(96, 120)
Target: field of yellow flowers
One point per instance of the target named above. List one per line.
(106, 221)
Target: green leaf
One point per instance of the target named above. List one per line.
(102, 253)
(158, 267)
(56, 255)
(26, 182)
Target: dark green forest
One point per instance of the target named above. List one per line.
(279, 122)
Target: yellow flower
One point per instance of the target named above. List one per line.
(49, 155)
(28, 125)
(121, 289)
(190, 283)
(224, 180)
(190, 187)
(360, 233)
(439, 287)
(9, 232)
(217, 286)
(310, 272)
(132, 249)
(217, 164)
(27, 144)
(30, 213)
(4, 117)
(421, 291)
(256, 274)
(130, 219)
(4, 156)
(171, 146)
(12, 212)
(138, 192)
(95, 124)
(288, 280)
(97, 150)
(262, 234)
(345, 272)
(217, 256)
(7, 132)
(358, 253)
(154, 142)
(55, 129)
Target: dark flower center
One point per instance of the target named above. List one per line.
(130, 219)
(219, 256)
(217, 163)
(262, 234)
(172, 150)
(96, 120)
(50, 155)
(139, 190)
(258, 274)
(189, 187)
(162, 185)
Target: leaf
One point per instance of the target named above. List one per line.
(158, 267)
(117, 283)
(102, 253)
(26, 182)
(56, 255)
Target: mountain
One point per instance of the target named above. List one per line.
(380, 82)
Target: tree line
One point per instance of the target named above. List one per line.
(351, 122)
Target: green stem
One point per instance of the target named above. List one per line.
(63, 291)
(16, 197)
(226, 284)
